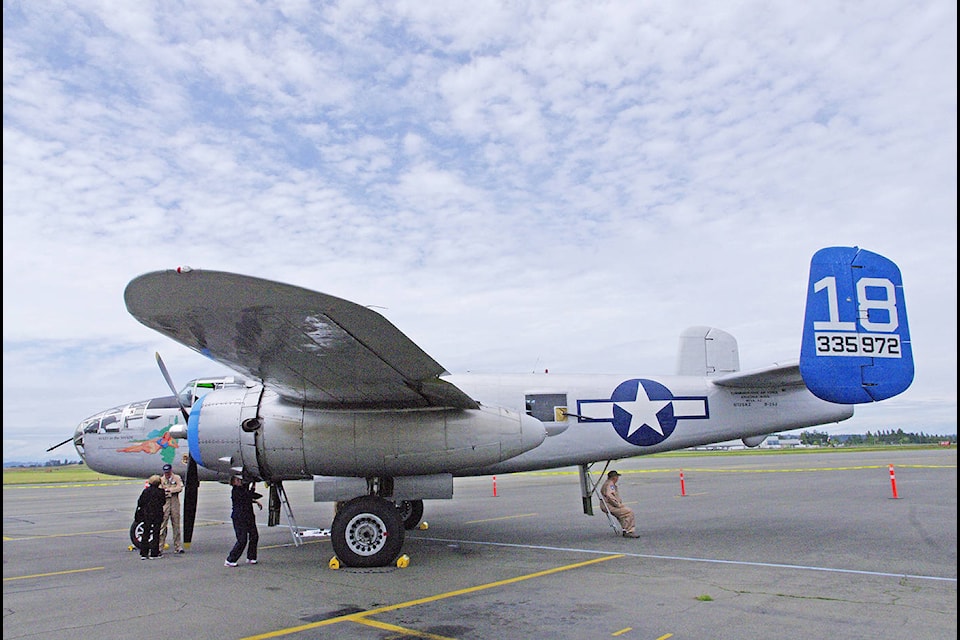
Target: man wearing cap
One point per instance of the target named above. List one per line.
(610, 502)
(172, 485)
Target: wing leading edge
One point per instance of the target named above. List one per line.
(776, 375)
(307, 346)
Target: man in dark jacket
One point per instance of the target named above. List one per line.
(244, 522)
(150, 510)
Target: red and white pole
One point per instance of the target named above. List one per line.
(893, 483)
(683, 487)
(494, 486)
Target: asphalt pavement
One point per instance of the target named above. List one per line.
(823, 545)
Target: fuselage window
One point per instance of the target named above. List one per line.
(543, 406)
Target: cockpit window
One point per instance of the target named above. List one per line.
(166, 402)
(196, 389)
(90, 425)
(186, 397)
(110, 423)
(133, 415)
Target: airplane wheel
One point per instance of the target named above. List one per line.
(367, 532)
(136, 532)
(411, 511)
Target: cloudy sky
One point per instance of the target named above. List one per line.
(518, 186)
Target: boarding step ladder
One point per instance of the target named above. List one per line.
(278, 498)
(589, 488)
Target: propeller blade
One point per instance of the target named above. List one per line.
(192, 484)
(191, 487)
(173, 389)
(61, 444)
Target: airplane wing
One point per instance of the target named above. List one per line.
(776, 375)
(307, 346)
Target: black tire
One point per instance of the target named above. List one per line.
(367, 532)
(136, 532)
(411, 512)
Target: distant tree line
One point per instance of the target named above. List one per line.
(59, 463)
(881, 437)
(48, 463)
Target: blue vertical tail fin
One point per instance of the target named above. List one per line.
(856, 340)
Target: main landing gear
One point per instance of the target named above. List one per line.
(369, 531)
(411, 511)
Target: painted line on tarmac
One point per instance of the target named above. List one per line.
(90, 533)
(519, 515)
(627, 472)
(54, 573)
(72, 485)
(361, 616)
(808, 469)
(743, 563)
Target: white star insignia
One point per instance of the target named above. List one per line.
(643, 411)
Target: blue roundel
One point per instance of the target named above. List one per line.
(633, 404)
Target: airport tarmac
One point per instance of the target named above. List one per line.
(763, 546)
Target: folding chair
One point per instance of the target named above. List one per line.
(594, 489)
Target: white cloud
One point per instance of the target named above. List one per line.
(565, 184)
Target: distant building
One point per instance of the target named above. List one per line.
(780, 442)
(775, 441)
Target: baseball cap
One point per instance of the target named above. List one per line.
(613, 474)
(167, 467)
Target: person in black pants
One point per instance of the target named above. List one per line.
(244, 522)
(150, 512)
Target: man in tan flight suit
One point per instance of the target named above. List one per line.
(172, 485)
(610, 502)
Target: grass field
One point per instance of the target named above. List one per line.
(80, 473)
(66, 473)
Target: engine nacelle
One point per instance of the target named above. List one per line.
(259, 432)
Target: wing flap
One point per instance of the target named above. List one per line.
(308, 346)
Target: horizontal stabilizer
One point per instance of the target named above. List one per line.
(777, 375)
